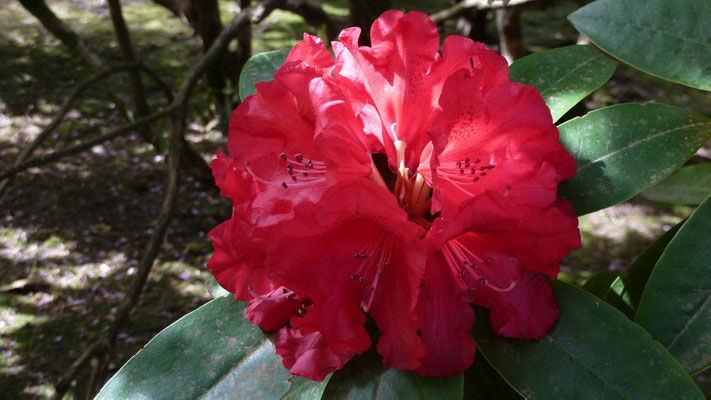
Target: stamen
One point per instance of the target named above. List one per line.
(456, 253)
(375, 258)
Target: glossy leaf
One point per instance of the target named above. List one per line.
(669, 39)
(622, 149)
(676, 304)
(260, 68)
(599, 284)
(592, 352)
(366, 377)
(483, 382)
(563, 76)
(636, 275)
(689, 185)
(211, 353)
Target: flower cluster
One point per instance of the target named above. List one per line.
(396, 181)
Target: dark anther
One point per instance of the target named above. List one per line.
(299, 157)
(378, 265)
(284, 290)
(483, 281)
(483, 174)
(309, 164)
(473, 170)
(356, 255)
(360, 279)
(476, 179)
(289, 167)
(283, 156)
(353, 277)
(466, 165)
(471, 289)
(466, 160)
(477, 161)
(487, 261)
(461, 171)
(284, 185)
(387, 263)
(293, 178)
(380, 271)
(465, 262)
(508, 187)
(305, 173)
(461, 273)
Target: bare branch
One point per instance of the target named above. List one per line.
(454, 11)
(66, 106)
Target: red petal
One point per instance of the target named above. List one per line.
(447, 321)
(393, 76)
(311, 51)
(273, 310)
(238, 260)
(506, 128)
(309, 355)
(526, 312)
(395, 300)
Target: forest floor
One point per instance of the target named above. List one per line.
(71, 232)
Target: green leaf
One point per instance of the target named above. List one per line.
(592, 352)
(211, 353)
(482, 382)
(690, 185)
(366, 377)
(669, 39)
(622, 149)
(260, 68)
(564, 76)
(636, 275)
(676, 304)
(599, 284)
(214, 288)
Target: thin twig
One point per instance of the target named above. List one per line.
(454, 11)
(79, 147)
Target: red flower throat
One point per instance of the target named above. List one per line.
(398, 181)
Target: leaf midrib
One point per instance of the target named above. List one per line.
(640, 141)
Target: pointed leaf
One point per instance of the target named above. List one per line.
(592, 352)
(669, 39)
(260, 68)
(636, 275)
(563, 76)
(366, 377)
(676, 304)
(622, 149)
(211, 353)
(689, 185)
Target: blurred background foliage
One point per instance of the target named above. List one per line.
(72, 232)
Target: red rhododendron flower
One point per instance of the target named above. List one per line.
(460, 210)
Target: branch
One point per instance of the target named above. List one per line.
(66, 106)
(59, 154)
(64, 33)
(454, 11)
(124, 40)
(315, 16)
